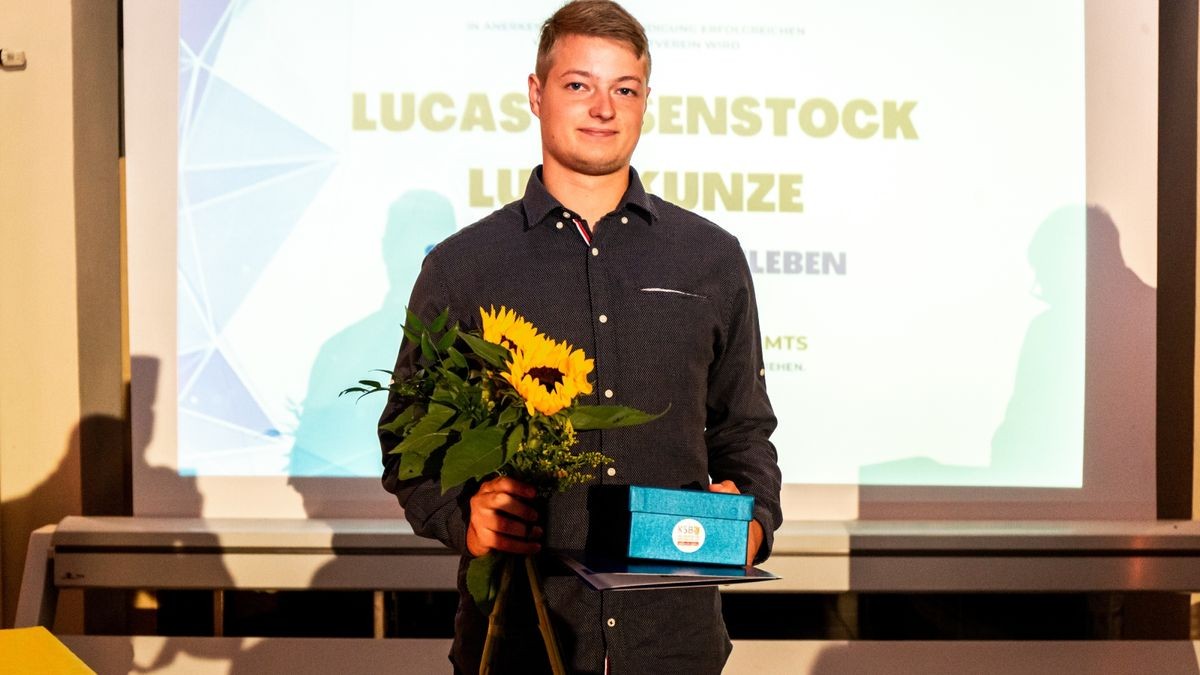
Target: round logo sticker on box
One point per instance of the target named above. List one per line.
(688, 535)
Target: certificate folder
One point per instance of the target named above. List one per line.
(608, 574)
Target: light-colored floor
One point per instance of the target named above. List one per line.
(203, 656)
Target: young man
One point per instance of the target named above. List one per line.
(662, 300)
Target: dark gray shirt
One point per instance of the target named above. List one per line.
(662, 299)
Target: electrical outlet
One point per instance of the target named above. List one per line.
(12, 59)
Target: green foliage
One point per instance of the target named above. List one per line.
(478, 452)
(542, 455)
(481, 580)
(495, 356)
(458, 419)
(587, 417)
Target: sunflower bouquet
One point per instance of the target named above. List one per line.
(499, 401)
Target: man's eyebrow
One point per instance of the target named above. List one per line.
(588, 75)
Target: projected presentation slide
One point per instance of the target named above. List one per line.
(907, 180)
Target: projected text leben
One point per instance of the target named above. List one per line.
(812, 263)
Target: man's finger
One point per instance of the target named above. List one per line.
(510, 527)
(518, 534)
(489, 539)
(504, 503)
(725, 486)
(509, 485)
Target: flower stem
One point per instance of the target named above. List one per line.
(496, 618)
(547, 628)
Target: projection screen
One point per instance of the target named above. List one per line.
(948, 208)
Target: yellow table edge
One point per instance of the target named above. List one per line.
(33, 651)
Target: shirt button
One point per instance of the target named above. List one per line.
(612, 622)
(624, 220)
(611, 471)
(762, 371)
(566, 214)
(603, 318)
(559, 225)
(608, 393)
(595, 251)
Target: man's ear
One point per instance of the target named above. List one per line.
(535, 96)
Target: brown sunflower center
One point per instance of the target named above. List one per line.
(546, 376)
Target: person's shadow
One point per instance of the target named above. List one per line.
(178, 613)
(1098, 323)
(108, 452)
(336, 439)
(336, 436)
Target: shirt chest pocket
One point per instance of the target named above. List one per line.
(677, 325)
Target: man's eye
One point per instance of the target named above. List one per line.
(626, 91)
(575, 86)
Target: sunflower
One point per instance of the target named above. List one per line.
(548, 374)
(507, 329)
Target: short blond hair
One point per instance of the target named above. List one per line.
(593, 18)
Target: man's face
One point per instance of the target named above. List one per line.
(590, 106)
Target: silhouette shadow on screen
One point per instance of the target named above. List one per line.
(335, 436)
(1085, 373)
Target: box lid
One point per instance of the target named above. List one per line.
(690, 503)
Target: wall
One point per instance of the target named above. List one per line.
(58, 195)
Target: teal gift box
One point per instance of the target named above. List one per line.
(688, 525)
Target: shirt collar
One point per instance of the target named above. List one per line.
(539, 204)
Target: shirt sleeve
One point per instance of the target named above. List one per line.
(430, 512)
(739, 415)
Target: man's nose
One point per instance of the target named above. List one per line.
(602, 106)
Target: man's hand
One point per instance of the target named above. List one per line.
(502, 519)
(755, 537)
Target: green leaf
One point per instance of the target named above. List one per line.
(411, 336)
(427, 436)
(371, 383)
(411, 465)
(510, 416)
(402, 419)
(515, 438)
(448, 339)
(452, 379)
(456, 358)
(585, 417)
(422, 446)
(413, 322)
(442, 395)
(439, 323)
(481, 580)
(427, 349)
(475, 455)
(435, 418)
(494, 355)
